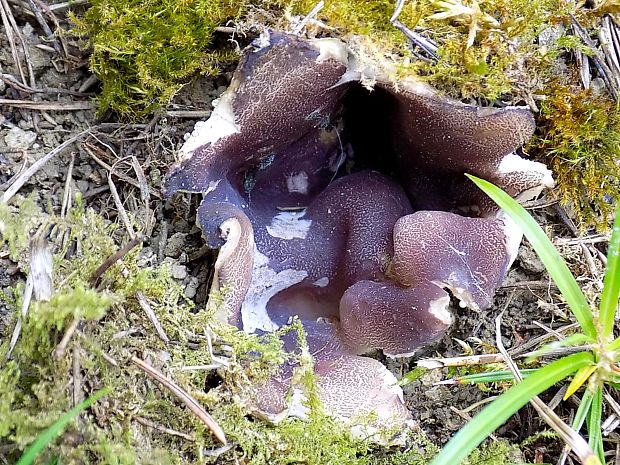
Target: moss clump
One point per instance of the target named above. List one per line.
(144, 51)
(488, 49)
(580, 141)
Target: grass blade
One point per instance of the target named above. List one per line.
(611, 288)
(550, 257)
(488, 377)
(595, 437)
(580, 377)
(502, 408)
(583, 409)
(47, 436)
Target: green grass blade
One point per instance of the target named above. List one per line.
(502, 408)
(615, 344)
(595, 436)
(582, 410)
(492, 376)
(611, 289)
(47, 436)
(550, 257)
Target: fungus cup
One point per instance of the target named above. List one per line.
(336, 193)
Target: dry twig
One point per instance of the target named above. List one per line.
(50, 106)
(36, 166)
(112, 259)
(152, 317)
(60, 349)
(184, 397)
(151, 424)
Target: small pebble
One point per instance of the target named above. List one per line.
(18, 139)
(179, 271)
(175, 245)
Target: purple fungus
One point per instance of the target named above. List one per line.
(348, 208)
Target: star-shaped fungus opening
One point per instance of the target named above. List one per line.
(346, 205)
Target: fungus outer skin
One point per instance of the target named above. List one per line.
(350, 205)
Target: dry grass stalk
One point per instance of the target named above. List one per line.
(184, 397)
(152, 317)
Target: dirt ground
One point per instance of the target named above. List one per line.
(530, 309)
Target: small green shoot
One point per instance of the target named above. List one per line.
(47, 436)
(596, 365)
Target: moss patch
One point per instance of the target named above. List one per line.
(580, 141)
(144, 51)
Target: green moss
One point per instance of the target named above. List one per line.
(487, 49)
(144, 51)
(16, 227)
(580, 141)
(496, 453)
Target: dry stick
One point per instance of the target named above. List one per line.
(486, 359)
(215, 453)
(530, 285)
(18, 326)
(67, 193)
(5, 11)
(142, 181)
(36, 166)
(188, 113)
(213, 366)
(88, 83)
(598, 58)
(187, 399)
(26, 50)
(152, 317)
(313, 12)
(558, 397)
(60, 349)
(540, 339)
(11, 81)
(112, 259)
(575, 440)
(52, 106)
(46, 29)
(519, 352)
(54, 7)
(584, 68)
(595, 239)
(122, 213)
(615, 39)
(548, 330)
(425, 44)
(145, 196)
(605, 37)
(89, 148)
(163, 429)
(612, 422)
(109, 359)
(612, 403)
